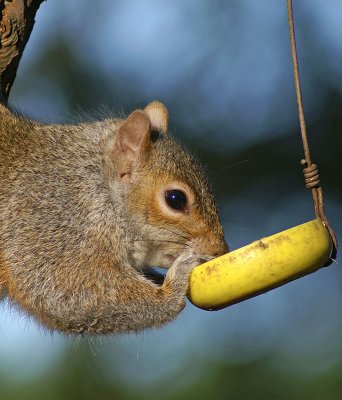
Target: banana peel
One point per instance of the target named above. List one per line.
(260, 266)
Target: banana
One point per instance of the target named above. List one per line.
(260, 266)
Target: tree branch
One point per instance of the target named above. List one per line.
(16, 23)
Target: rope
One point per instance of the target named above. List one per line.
(311, 171)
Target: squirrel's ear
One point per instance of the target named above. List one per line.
(132, 143)
(158, 115)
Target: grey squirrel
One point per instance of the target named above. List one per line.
(85, 208)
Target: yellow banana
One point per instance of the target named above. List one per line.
(260, 266)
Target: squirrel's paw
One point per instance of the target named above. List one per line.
(177, 276)
(184, 263)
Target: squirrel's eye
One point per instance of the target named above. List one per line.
(176, 199)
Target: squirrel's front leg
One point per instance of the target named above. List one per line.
(162, 304)
(153, 306)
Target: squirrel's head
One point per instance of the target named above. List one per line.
(168, 196)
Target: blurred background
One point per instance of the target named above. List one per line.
(224, 71)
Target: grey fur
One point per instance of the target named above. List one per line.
(72, 242)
